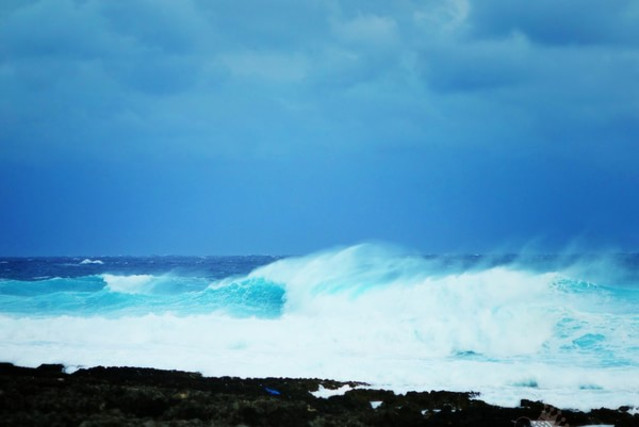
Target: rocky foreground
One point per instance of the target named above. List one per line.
(46, 396)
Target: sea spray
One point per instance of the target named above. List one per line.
(508, 328)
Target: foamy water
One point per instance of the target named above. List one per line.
(505, 329)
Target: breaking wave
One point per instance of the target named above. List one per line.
(91, 261)
(509, 329)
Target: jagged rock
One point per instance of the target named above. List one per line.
(126, 396)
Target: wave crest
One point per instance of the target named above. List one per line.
(132, 284)
(374, 290)
(91, 261)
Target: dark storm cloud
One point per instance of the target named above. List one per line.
(478, 66)
(331, 63)
(416, 121)
(581, 22)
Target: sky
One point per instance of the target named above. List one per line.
(287, 126)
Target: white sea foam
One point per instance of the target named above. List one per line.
(493, 312)
(302, 346)
(364, 314)
(133, 284)
(325, 393)
(91, 261)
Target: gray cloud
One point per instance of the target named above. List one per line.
(486, 65)
(568, 22)
(165, 27)
(441, 121)
(222, 77)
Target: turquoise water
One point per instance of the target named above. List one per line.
(544, 326)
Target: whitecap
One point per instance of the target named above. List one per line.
(133, 284)
(91, 261)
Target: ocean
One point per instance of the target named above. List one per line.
(559, 328)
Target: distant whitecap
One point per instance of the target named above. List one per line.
(91, 261)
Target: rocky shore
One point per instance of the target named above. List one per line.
(47, 396)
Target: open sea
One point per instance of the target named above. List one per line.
(562, 329)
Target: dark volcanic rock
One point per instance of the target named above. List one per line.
(46, 396)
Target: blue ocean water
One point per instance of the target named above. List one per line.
(564, 329)
(115, 286)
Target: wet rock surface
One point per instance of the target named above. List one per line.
(46, 396)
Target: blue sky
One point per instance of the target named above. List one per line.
(286, 126)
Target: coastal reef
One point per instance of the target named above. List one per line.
(126, 396)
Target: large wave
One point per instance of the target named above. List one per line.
(368, 312)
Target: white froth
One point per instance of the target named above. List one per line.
(325, 393)
(364, 314)
(91, 261)
(133, 284)
(301, 347)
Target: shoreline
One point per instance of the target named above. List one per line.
(101, 396)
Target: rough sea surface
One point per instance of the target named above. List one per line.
(562, 329)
